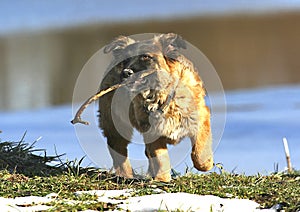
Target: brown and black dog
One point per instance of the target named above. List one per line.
(165, 106)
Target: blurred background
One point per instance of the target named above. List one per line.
(254, 46)
(44, 44)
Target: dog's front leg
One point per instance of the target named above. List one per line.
(118, 151)
(159, 161)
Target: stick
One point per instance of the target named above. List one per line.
(132, 79)
(77, 118)
(287, 154)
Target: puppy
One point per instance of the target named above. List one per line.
(165, 106)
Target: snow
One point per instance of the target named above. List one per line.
(28, 204)
(178, 201)
(257, 120)
(154, 202)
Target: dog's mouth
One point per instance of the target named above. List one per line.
(147, 85)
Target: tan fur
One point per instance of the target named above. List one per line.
(166, 106)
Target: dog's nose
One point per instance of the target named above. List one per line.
(127, 72)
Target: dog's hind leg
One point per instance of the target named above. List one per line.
(202, 155)
(159, 161)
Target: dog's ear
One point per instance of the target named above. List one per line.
(172, 40)
(170, 44)
(118, 44)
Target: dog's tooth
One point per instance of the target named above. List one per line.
(149, 108)
(152, 107)
(146, 94)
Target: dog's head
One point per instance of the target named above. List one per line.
(135, 56)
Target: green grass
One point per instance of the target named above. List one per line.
(69, 177)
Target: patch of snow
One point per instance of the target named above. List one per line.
(187, 202)
(28, 204)
(165, 201)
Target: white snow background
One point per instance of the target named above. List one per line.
(257, 120)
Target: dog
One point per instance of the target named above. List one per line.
(165, 106)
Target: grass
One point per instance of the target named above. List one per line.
(20, 157)
(279, 189)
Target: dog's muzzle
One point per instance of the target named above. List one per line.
(135, 81)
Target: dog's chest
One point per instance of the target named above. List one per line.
(170, 110)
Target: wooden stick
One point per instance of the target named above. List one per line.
(287, 154)
(77, 118)
(132, 79)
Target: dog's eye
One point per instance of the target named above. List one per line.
(146, 57)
